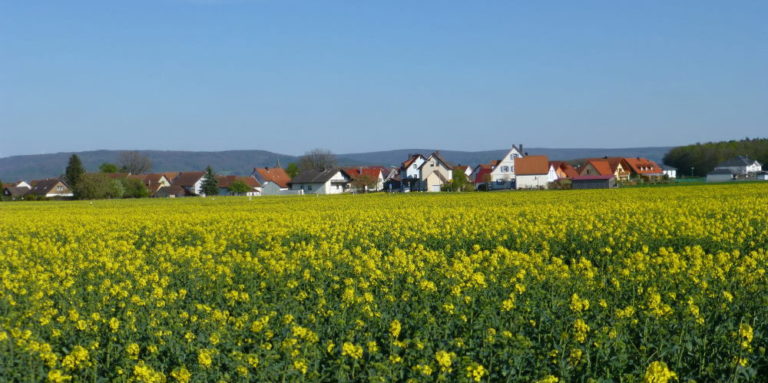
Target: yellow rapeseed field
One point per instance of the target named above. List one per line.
(632, 285)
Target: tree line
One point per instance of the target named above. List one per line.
(699, 159)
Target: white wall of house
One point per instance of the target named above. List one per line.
(23, 184)
(433, 183)
(552, 175)
(746, 169)
(535, 181)
(335, 185)
(271, 188)
(413, 170)
(503, 174)
(197, 188)
(671, 173)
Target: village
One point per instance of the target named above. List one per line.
(418, 173)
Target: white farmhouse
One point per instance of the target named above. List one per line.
(741, 166)
(331, 181)
(533, 172)
(502, 176)
(435, 172)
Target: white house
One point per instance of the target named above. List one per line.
(552, 175)
(410, 172)
(374, 174)
(191, 182)
(331, 181)
(669, 171)
(50, 188)
(533, 172)
(502, 174)
(741, 166)
(274, 181)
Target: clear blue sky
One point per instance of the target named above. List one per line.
(351, 76)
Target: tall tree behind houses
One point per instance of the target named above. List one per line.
(318, 160)
(74, 171)
(134, 162)
(210, 185)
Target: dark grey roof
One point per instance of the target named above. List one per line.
(17, 191)
(317, 176)
(667, 167)
(737, 161)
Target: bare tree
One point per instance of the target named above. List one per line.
(318, 160)
(134, 162)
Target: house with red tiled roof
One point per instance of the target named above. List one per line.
(606, 166)
(498, 174)
(564, 170)
(533, 172)
(642, 167)
(274, 181)
(367, 178)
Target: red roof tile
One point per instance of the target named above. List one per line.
(531, 165)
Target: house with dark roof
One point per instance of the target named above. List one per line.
(51, 188)
(533, 172)
(330, 181)
(410, 173)
(741, 166)
(191, 182)
(14, 192)
(435, 172)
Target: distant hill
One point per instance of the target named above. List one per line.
(241, 162)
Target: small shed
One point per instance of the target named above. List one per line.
(594, 182)
(720, 175)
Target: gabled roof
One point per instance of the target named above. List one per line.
(737, 161)
(639, 165)
(531, 165)
(602, 167)
(16, 191)
(565, 167)
(480, 173)
(277, 176)
(43, 187)
(371, 171)
(317, 176)
(188, 179)
(442, 159)
(410, 160)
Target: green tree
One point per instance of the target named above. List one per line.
(210, 183)
(134, 188)
(459, 182)
(108, 168)
(74, 171)
(238, 188)
(292, 169)
(97, 186)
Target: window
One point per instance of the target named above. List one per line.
(309, 187)
(499, 182)
(505, 169)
